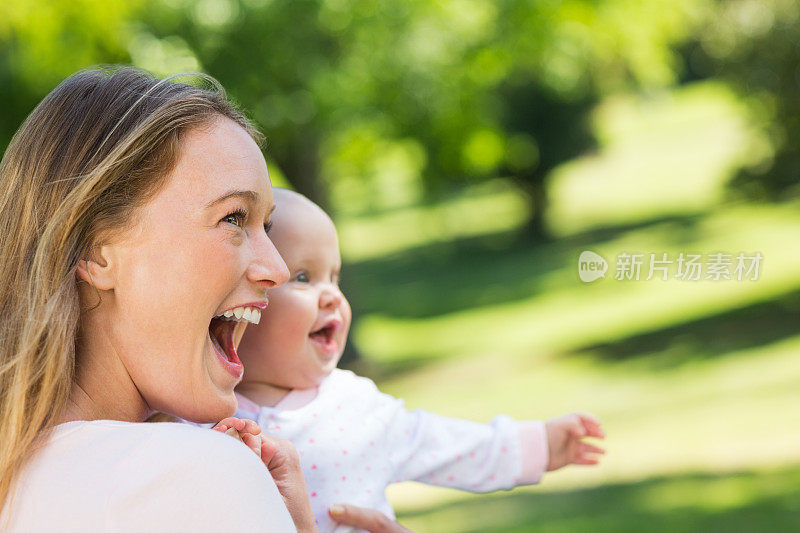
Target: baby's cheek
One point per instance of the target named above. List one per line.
(347, 315)
(295, 333)
(300, 313)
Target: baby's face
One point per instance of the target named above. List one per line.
(303, 331)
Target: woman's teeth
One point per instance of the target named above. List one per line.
(246, 313)
(238, 332)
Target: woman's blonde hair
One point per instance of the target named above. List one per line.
(93, 151)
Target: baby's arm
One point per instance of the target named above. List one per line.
(466, 455)
(484, 457)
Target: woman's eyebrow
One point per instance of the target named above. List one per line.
(248, 196)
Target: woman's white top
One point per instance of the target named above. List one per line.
(111, 476)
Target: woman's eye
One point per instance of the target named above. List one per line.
(302, 277)
(236, 218)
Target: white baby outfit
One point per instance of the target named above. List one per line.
(354, 441)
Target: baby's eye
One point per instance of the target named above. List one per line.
(267, 227)
(236, 218)
(302, 277)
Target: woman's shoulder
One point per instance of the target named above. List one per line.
(192, 471)
(179, 451)
(125, 441)
(153, 476)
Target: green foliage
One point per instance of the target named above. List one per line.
(737, 501)
(381, 103)
(753, 45)
(43, 42)
(358, 97)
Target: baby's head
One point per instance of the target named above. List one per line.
(303, 331)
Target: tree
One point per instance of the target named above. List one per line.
(753, 45)
(43, 42)
(477, 88)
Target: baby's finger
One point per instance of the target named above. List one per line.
(253, 442)
(586, 448)
(251, 427)
(222, 428)
(269, 447)
(370, 520)
(592, 425)
(233, 422)
(588, 418)
(233, 433)
(586, 460)
(587, 454)
(576, 428)
(226, 421)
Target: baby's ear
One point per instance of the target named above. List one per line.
(98, 268)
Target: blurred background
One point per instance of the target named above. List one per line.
(469, 151)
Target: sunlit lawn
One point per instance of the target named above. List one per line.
(698, 383)
(740, 501)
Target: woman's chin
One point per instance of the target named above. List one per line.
(212, 411)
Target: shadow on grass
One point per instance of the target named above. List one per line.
(441, 278)
(744, 501)
(738, 329)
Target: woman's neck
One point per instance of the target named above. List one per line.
(84, 405)
(264, 394)
(103, 390)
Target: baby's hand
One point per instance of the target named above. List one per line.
(244, 430)
(565, 436)
(283, 463)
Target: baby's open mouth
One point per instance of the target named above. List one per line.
(324, 336)
(226, 330)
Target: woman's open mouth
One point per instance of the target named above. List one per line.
(226, 331)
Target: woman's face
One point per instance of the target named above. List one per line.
(199, 248)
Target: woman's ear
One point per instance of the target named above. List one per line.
(98, 268)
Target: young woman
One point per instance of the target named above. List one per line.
(135, 213)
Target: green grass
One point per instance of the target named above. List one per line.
(738, 501)
(671, 153)
(545, 307)
(696, 382)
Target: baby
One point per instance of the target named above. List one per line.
(352, 439)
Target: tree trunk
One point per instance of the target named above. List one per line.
(301, 168)
(536, 229)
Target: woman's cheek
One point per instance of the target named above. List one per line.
(225, 257)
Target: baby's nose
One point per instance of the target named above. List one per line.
(330, 297)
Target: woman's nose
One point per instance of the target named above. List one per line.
(267, 269)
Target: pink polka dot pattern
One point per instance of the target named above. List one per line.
(354, 441)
